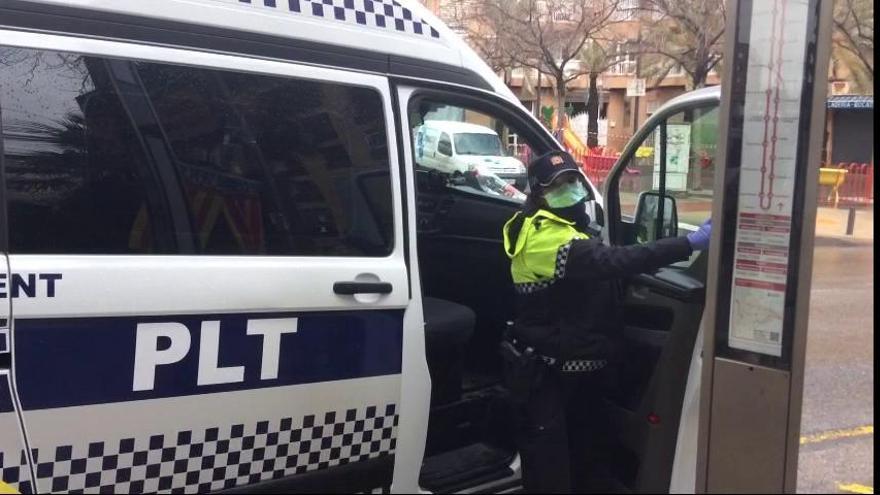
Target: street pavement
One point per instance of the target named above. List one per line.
(831, 225)
(837, 439)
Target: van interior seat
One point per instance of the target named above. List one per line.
(448, 328)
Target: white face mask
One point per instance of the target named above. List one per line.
(566, 195)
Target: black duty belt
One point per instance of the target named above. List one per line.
(569, 366)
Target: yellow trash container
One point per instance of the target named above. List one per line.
(834, 178)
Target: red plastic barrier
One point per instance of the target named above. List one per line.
(857, 188)
(598, 167)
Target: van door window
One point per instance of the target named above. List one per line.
(687, 173)
(488, 156)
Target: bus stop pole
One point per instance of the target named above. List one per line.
(751, 396)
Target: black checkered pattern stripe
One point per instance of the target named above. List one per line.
(562, 260)
(14, 472)
(530, 287)
(384, 14)
(583, 365)
(558, 273)
(215, 458)
(575, 365)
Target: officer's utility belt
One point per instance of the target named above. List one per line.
(521, 352)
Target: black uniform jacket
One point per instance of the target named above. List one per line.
(579, 316)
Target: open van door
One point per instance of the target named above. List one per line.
(665, 190)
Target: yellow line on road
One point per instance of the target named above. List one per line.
(855, 488)
(825, 436)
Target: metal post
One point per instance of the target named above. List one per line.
(539, 113)
(851, 221)
(638, 75)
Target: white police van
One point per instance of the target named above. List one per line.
(227, 271)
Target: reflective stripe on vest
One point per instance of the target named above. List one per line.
(540, 253)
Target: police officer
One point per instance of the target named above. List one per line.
(568, 308)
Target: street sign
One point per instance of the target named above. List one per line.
(769, 155)
(635, 87)
(772, 124)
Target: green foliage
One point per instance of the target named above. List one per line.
(547, 114)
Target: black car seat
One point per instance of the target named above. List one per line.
(448, 328)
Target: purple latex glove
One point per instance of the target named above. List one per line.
(700, 239)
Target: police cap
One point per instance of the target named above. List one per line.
(546, 168)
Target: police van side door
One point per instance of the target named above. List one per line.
(662, 310)
(212, 278)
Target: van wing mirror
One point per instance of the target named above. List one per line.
(648, 222)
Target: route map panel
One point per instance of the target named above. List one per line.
(769, 159)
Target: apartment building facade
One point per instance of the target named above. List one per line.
(850, 116)
(622, 113)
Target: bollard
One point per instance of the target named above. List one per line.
(851, 221)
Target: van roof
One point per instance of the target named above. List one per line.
(455, 127)
(401, 28)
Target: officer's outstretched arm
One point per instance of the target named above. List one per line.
(590, 259)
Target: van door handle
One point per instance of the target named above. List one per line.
(353, 288)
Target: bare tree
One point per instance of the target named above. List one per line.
(458, 15)
(684, 33)
(853, 40)
(545, 35)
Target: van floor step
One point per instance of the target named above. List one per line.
(465, 467)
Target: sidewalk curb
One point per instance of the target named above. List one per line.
(841, 241)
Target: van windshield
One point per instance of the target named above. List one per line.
(478, 144)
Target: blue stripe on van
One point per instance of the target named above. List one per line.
(70, 362)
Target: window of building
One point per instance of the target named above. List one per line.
(259, 165)
(562, 13)
(624, 59)
(627, 10)
(573, 67)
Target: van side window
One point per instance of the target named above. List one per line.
(260, 165)
(444, 146)
(77, 178)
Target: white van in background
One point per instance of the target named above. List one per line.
(227, 264)
(451, 147)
